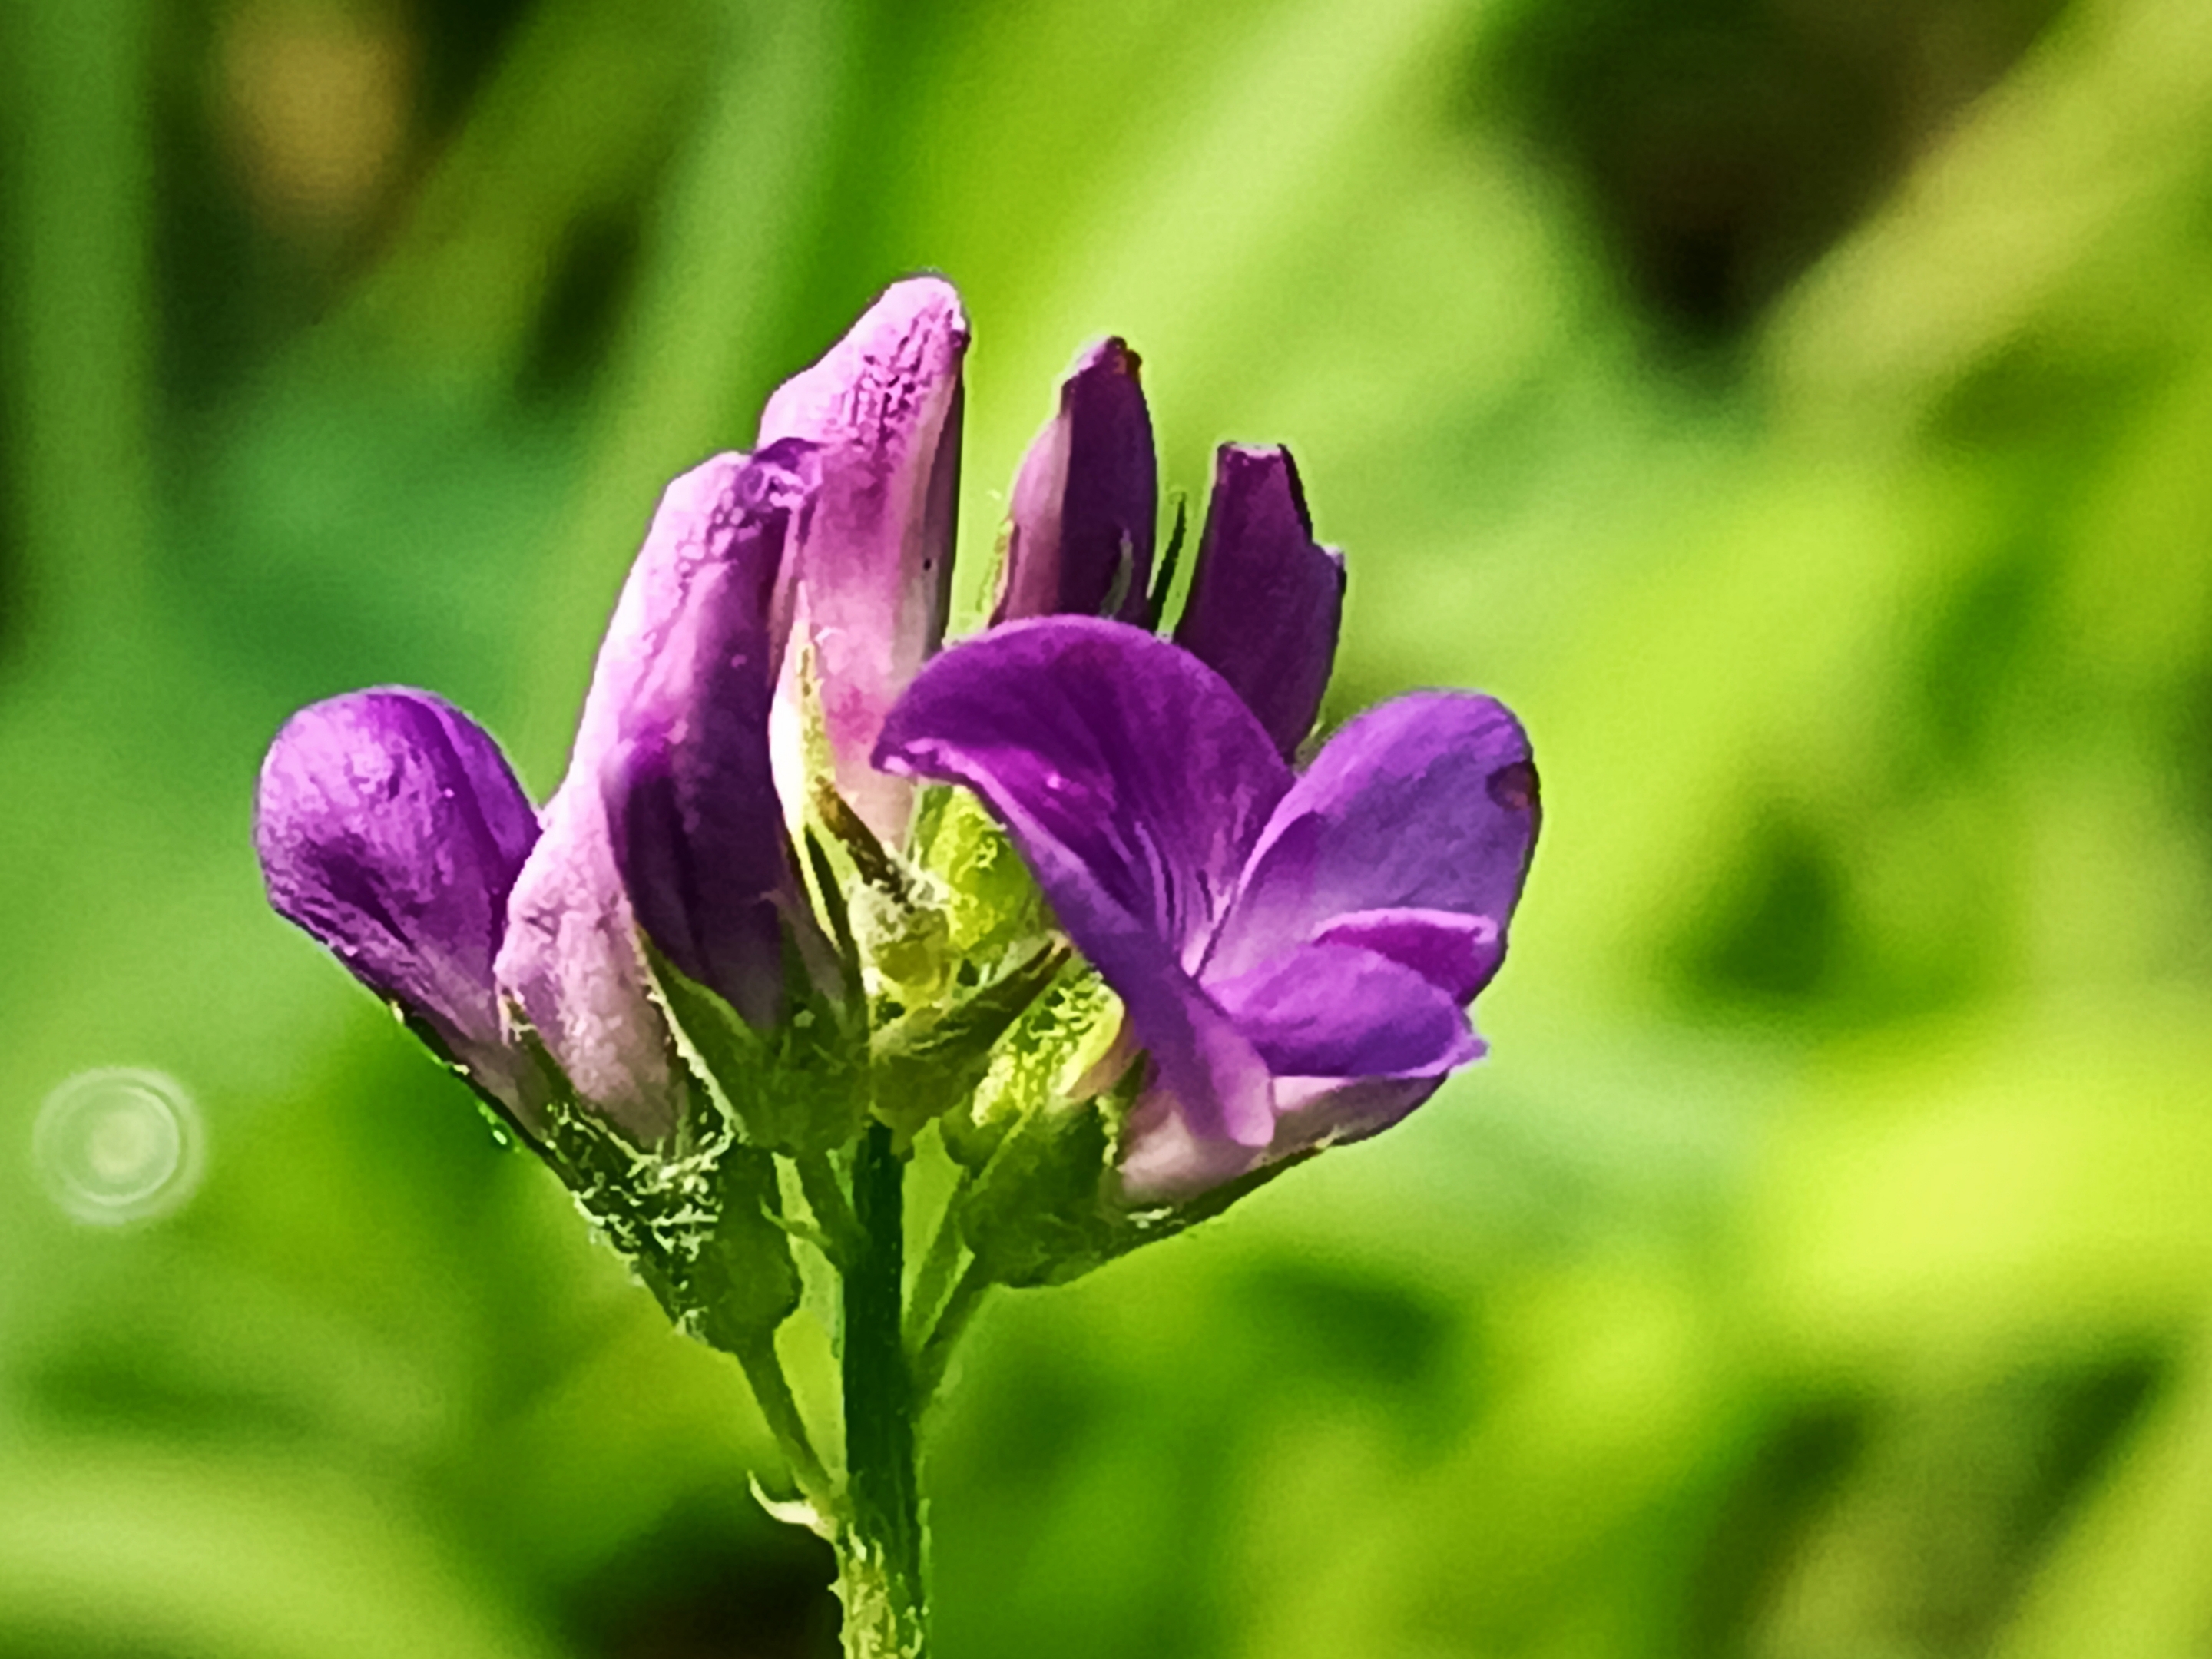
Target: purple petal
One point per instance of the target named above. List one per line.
(1133, 781)
(1458, 953)
(1354, 1039)
(1333, 1010)
(1316, 1112)
(1427, 802)
(1163, 1161)
(570, 956)
(875, 565)
(1086, 500)
(571, 964)
(696, 831)
(1265, 599)
(390, 828)
(1113, 745)
(703, 518)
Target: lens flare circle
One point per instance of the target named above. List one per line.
(118, 1145)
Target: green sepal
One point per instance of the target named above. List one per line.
(829, 899)
(926, 1060)
(1117, 589)
(992, 903)
(896, 911)
(991, 589)
(799, 1090)
(1156, 603)
(907, 942)
(1060, 1036)
(744, 1282)
(696, 1216)
(1048, 1208)
(1038, 1214)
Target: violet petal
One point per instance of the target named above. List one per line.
(1354, 1039)
(1314, 1112)
(1427, 802)
(390, 827)
(696, 830)
(1266, 600)
(1458, 953)
(1085, 502)
(1133, 781)
(1332, 1010)
(1163, 1159)
(570, 956)
(874, 567)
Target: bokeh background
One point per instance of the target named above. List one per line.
(1800, 410)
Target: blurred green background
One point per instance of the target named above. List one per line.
(1800, 410)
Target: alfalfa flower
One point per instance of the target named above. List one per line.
(761, 941)
(1294, 953)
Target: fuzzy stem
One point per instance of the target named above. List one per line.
(879, 1566)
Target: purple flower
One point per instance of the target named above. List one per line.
(1265, 599)
(390, 828)
(1086, 499)
(875, 564)
(668, 817)
(1295, 954)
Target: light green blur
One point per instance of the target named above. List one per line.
(1820, 1268)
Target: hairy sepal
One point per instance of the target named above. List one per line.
(992, 904)
(800, 1090)
(1058, 1039)
(929, 1059)
(696, 1217)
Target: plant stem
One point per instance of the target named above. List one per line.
(772, 1389)
(934, 1279)
(879, 1554)
(833, 1215)
(932, 1355)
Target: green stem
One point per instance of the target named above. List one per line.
(839, 1229)
(934, 1354)
(934, 1277)
(773, 1390)
(879, 1554)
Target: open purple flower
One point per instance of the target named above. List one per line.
(1295, 954)
(390, 828)
(668, 818)
(874, 564)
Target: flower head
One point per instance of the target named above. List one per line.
(1294, 954)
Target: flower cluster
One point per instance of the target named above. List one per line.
(751, 920)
